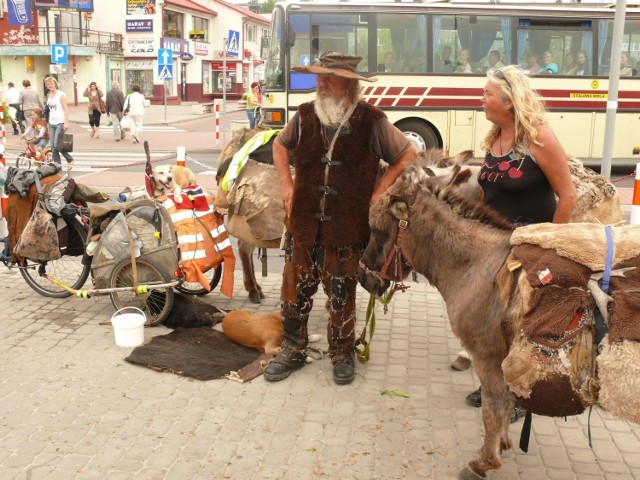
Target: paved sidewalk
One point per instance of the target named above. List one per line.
(72, 408)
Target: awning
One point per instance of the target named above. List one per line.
(191, 5)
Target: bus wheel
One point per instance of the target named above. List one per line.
(421, 135)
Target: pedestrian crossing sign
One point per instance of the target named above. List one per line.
(165, 72)
(233, 45)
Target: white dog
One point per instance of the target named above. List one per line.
(172, 179)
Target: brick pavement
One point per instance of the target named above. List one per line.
(73, 409)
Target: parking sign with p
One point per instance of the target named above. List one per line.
(59, 53)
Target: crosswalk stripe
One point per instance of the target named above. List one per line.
(146, 128)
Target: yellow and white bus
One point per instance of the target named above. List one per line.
(431, 61)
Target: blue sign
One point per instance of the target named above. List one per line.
(19, 13)
(165, 57)
(59, 53)
(139, 26)
(186, 56)
(305, 59)
(165, 72)
(233, 44)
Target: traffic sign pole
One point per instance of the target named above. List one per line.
(224, 92)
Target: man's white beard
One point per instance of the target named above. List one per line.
(329, 110)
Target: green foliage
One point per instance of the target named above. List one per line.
(267, 6)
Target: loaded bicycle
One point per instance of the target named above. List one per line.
(130, 250)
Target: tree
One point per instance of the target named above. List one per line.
(267, 6)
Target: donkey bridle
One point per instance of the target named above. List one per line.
(395, 252)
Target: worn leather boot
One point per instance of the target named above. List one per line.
(343, 370)
(285, 362)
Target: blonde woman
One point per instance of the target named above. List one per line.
(94, 94)
(58, 120)
(525, 166)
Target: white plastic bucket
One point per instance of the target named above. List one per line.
(128, 328)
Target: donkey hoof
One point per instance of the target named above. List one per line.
(467, 474)
(262, 295)
(254, 297)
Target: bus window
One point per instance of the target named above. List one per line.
(275, 61)
(315, 33)
(401, 43)
(630, 46)
(470, 43)
(551, 42)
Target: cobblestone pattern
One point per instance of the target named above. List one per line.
(73, 409)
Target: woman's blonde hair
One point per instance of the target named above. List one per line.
(528, 109)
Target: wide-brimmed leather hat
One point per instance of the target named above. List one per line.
(335, 63)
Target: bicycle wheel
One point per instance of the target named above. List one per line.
(68, 269)
(157, 303)
(23, 161)
(196, 288)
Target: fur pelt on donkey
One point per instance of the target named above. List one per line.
(462, 249)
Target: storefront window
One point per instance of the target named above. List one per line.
(172, 24)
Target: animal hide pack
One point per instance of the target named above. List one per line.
(552, 366)
(256, 214)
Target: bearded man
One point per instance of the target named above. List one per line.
(336, 142)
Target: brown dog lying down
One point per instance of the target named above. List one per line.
(262, 331)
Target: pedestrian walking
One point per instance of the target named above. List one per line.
(134, 109)
(12, 97)
(58, 120)
(336, 141)
(254, 103)
(94, 94)
(29, 99)
(115, 107)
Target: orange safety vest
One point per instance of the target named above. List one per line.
(202, 239)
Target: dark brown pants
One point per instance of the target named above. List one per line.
(304, 269)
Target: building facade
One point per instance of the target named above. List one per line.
(119, 40)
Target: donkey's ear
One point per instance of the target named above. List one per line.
(399, 208)
(459, 176)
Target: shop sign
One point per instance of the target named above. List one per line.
(141, 46)
(201, 48)
(138, 64)
(139, 25)
(178, 46)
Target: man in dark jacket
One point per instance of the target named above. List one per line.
(336, 142)
(115, 107)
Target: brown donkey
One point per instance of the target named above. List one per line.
(461, 249)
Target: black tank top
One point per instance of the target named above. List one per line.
(517, 189)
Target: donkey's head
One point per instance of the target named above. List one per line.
(383, 260)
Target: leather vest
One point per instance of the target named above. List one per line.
(350, 180)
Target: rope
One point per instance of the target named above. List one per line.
(633, 174)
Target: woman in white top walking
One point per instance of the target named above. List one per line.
(134, 109)
(58, 120)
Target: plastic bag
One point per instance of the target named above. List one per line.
(115, 238)
(125, 124)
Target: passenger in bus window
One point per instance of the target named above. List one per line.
(447, 64)
(626, 67)
(569, 67)
(532, 63)
(583, 64)
(463, 66)
(493, 62)
(549, 67)
(390, 64)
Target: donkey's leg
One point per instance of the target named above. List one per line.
(245, 252)
(497, 405)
